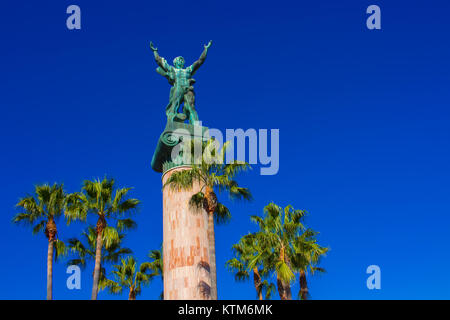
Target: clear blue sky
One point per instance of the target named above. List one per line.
(363, 118)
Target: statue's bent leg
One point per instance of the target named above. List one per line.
(189, 106)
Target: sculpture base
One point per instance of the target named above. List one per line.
(172, 135)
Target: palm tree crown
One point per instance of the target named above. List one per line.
(248, 253)
(40, 211)
(42, 208)
(277, 229)
(101, 198)
(213, 174)
(286, 247)
(128, 275)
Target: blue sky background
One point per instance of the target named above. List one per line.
(363, 118)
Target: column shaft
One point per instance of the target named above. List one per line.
(185, 245)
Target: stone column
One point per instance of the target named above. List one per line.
(185, 245)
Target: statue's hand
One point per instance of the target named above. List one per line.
(153, 47)
(208, 45)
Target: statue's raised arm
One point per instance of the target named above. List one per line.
(159, 60)
(202, 58)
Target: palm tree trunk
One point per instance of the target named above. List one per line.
(131, 295)
(50, 232)
(50, 269)
(212, 255)
(101, 223)
(281, 290)
(257, 283)
(161, 297)
(287, 290)
(303, 285)
(284, 289)
(210, 204)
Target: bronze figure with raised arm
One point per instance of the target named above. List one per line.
(182, 91)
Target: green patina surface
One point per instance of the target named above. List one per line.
(173, 134)
(182, 97)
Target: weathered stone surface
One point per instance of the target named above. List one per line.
(185, 246)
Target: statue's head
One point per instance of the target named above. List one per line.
(178, 62)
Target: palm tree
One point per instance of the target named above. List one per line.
(40, 211)
(127, 275)
(249, 256)
(157, 266)
(277, 231)
(98, 198)
(84, 249)
(307, 255)
(213, 174)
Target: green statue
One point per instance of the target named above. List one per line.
(182, 91)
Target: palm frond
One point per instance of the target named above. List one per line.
(110, 237)
(284, 271)
(181, 180)
(125, 224)
(197, 201)
(157, 264)
(221, 214)
(127, 206)
(268, 288)
(76, 208)
(60, 249)
(40, 227)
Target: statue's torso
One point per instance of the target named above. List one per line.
(181, 77)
